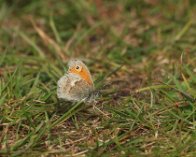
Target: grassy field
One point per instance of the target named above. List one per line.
(142, 55)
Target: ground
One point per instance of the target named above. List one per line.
(142, 56)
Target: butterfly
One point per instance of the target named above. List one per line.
(77, 84)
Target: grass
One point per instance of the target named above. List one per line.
(142, 58)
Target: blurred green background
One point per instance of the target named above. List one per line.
(141, 54)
